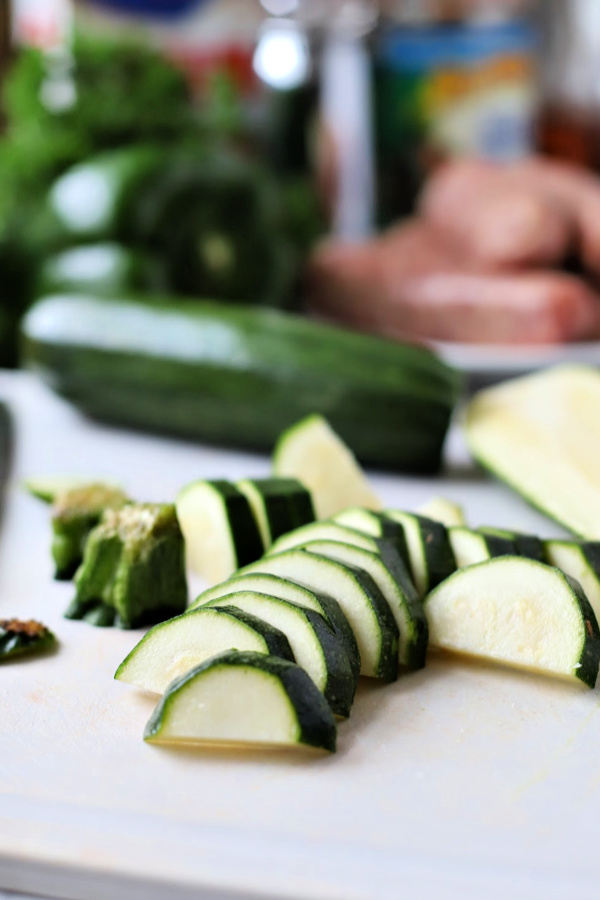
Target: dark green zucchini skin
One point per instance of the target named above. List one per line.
(239, 375)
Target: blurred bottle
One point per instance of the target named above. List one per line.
(453, 78)
(569, 120)
(314, 58)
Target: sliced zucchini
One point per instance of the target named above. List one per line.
(377, 526)
(218, 527)
(440, 509)
(48, 487)
(172, 648)
(430, 554)
(288, 590)
(473, 546)
(519, 612)
(315, 646)
(391, 577)
(361, 601)
(528, 545)
(539, 434)
(312, 452)
(325, 531)
(134, 564)
(18, 638)
(75, 512)
(244, 698)
(580, 560)
(279, 505)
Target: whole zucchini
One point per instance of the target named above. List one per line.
(239, 375)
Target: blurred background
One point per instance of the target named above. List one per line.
(204, 147)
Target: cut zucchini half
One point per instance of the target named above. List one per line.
(244, 698)
(312, 452)
(377, 526)
(518, 612)
(172, 648)
(218, 527)
(391, 577)
(361, 601)
(279, 505)
(315, 646)
(528, 545)
(473, 546)
(288, 590)
(580, 560)
(430, 554)
(440, 509)
(325, 531)
(538, 433)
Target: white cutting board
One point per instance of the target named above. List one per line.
(459, 781)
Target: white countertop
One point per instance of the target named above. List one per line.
(460, 780)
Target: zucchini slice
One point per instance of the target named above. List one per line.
(538, 434)
(48, 487)
(274, 586)
(361, 601)
(518, 612)
(377, 526)
(244, 698)
(312, 452)
(279, 505)
(528, 545)
(218, 527)
(325, 531)
(473, 546)
(580, 560)
(172, 648)
(391, 577)
(440, 509)
(430, 554)
(315, 646)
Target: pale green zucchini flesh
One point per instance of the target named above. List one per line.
(471, 546)
(393, 581)
(172, 648)
(430, 553)
(219, 528)
(518, 612)
(580, 560)
(312, 452)
(325, 531)
(48, 487)
(316, 648)
(377, 526)
(244, 699)
(440, 509)
(539, 435)
(361, 601)
(275, 586)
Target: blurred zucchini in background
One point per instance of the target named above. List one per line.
(102, 269)
(216, 222)
(239, 375)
